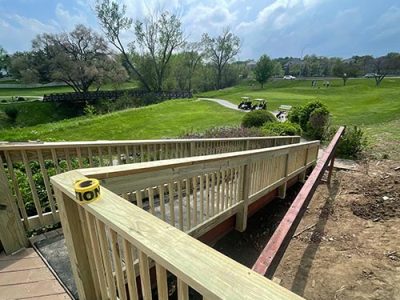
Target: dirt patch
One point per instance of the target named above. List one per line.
(352, 249)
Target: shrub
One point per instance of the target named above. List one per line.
(257, 118)
(89, 110)
(224, 132)
(20, 99)
(3, 101)
(313, 119)
(352, 142)
(283, 129)
(317, 123)
(12, 113)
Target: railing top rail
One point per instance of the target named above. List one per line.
(49, 145)
(209, 272)
(129, 169)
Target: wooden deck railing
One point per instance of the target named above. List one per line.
(113, 243)
(27, 167)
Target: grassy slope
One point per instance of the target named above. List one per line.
(167, 119)
(35, 112)
(358, 103)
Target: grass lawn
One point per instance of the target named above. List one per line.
(360, 102)
(165, 120)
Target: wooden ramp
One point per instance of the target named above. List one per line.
(25, 276)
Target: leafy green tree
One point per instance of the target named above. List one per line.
(263, 70)
(220, 51)
(345, 70)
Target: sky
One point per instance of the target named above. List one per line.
(278, 28)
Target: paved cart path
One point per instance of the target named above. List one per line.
(224, 103)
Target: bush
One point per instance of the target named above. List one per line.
(352, 142)
(224, 132)
(12, 113)
(317, 123)
(20, 99)
(282, 129)
(257, 118)
(89, 110)
(313, 119)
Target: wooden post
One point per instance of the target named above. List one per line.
(282, 188)
(330, 170)
(302, 175)
(12, 233)
(241, 216)
(192, 149)
(74, 238)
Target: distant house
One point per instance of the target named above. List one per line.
(251, 64)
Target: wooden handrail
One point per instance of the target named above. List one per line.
(272, 254)
(64, 156)
(209, 272)
(34, 145)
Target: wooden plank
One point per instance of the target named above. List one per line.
(116, 255)
(12, 233)
(25, 276)
(241, 217)
(97, 254)
(48, 187)
(272, 254)
(31, 289)
(20, 264)
(72, 228)
(105, 255)
(183, 290)
(32, 185)
(162, 284)
(130, 270)
(145, 275)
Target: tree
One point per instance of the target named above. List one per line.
(263, 70)
(80, 58)
(385, 65)
(221, 50)
(193, 54)
(111, 16)
(157, 38)
(344, 70)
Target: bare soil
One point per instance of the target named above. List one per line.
(352, 250)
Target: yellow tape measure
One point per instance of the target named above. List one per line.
(87, 190)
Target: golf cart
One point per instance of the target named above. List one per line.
(260, 104)
(245, 104)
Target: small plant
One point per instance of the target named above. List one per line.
(352, 143)
(257, 118)
(89, 110)
(281, 129)
(12, 113)
(20, 99)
